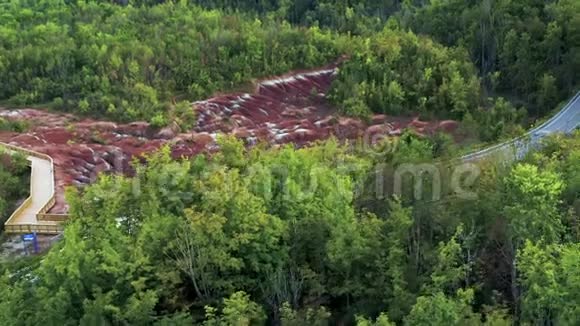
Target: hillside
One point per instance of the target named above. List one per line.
(280, 162)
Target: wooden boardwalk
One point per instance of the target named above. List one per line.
(32, 215)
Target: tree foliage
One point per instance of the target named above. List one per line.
(14, 177)
(282, 235)
(130, 62)
(397, 72)
(302, 236)
(531, 47)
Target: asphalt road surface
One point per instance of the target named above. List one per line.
(564, 121)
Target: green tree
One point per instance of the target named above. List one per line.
(396, 73)
(450, 270)
(439, 309)
(382, 320)
(531, 210)
(550, 283)
(532, 204)
(238, 310)
(312, 316)
(547, 93)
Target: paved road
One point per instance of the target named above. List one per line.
(564, 121)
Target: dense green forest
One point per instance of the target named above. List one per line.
(14, 178)
(316, 235)
(290, 235)
(398, 72)
(134, 60)
(131, 62)
(527, 49)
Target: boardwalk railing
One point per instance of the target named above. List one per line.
(31, 228)
(42, 215)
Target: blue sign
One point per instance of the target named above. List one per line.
(29, 237)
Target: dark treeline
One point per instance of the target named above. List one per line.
(340, 15)
(528, 49)
(358, 17)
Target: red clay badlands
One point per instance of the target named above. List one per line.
(287, 109)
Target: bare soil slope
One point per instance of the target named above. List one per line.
(285, 109)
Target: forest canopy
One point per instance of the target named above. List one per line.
(128, 63)
(134, 60)
(396, 73)
(313, 235)
(248, 236)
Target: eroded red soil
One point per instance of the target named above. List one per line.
(287, 109)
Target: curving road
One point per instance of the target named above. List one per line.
(565, 121)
